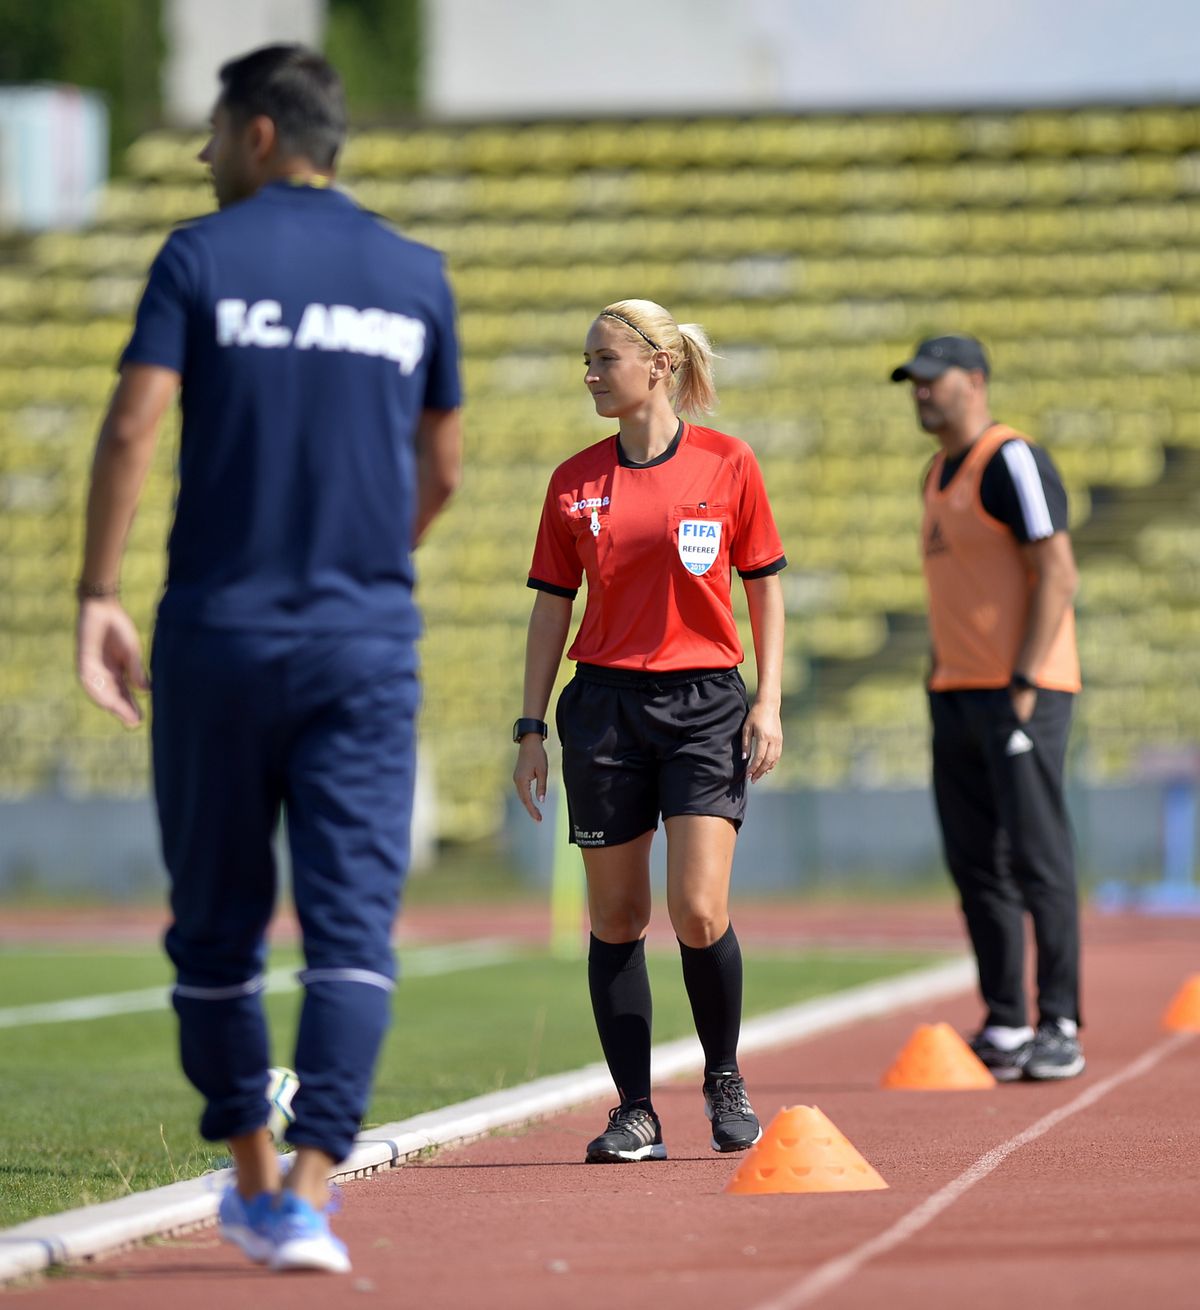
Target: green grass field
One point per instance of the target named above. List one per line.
(91, 1110)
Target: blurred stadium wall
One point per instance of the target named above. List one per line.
(202, 34)
(820, 188)
(552, 57)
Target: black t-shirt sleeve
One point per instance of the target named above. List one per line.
(567, 593)
(1021, 488)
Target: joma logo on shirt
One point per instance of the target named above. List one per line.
(375, 332)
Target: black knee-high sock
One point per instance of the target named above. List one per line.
(620, 990)
(713, 978)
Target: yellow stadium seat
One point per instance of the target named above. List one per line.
(816, 249)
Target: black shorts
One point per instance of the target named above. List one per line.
(637, 745)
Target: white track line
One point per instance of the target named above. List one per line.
(424, 962)
(835, 1272)
(95, 1230)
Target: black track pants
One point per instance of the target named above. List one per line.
(998, 785)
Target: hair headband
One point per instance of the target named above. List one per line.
(608, 313)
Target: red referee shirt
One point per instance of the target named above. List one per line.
(657, 542)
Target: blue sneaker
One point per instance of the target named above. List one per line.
(302, 1240)
(247, 1223)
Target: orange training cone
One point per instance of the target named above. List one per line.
(801, 1151)
(1183, 1014)
(936, 1059)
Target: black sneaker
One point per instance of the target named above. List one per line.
(1005, 1066)
(735, 1126)
(1055, 1052)
(633, 1133)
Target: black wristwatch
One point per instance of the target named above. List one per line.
(1019, 682)
(523, 727)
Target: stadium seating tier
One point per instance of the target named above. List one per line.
(816, 249)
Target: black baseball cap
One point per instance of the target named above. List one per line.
(936, 354)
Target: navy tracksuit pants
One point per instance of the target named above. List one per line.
(321, 726)
(998, 785)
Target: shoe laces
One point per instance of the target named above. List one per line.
(1051, 1034)
(727, 1096)
(622, 1115)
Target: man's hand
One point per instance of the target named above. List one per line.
(1023, 701)
(108, 658)
(108, 652)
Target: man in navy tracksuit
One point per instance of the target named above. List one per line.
(316, 354)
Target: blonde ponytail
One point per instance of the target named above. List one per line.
(694, 391)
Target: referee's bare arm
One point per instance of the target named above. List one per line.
(108, 653)
(439, 446)
(549, 624)
(762, 734)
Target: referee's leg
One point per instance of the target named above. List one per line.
(349, 795)
(699, 863)
(612, 803)
(619, 902)
(217, 792)
(697, 729)
(966, 807)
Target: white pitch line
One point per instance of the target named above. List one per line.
(425, 962)
(92, 1230)
(836, 1271)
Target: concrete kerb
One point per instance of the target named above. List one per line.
(84, 1234)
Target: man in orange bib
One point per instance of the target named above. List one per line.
(1001, 577)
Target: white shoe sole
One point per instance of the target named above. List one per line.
(657, 1152)
(317, 1253)
(1049, 1073)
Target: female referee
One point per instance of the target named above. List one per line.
(657, 719)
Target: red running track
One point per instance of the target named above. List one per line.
(1102, 1209)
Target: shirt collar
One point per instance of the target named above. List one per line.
(626, 463)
